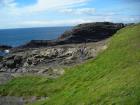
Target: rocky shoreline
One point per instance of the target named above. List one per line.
(73, 47)
(45, 60)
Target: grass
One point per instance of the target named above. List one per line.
(112, 79)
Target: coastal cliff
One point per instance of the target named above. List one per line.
(83, 33)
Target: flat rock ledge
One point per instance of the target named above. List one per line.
(49, 60)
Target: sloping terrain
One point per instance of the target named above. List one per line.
(112, 79)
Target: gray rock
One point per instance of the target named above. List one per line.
(12, 100)
(10, 64)
(8, 100)
(49, 60)
(5, 77)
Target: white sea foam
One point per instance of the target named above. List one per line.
(6, 51)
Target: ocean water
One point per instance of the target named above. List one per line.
(16, 37)
(3, 53)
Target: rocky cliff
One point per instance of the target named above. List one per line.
(83, 33)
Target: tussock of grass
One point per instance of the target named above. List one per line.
(112, 79)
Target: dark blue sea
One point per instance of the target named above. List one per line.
(16, 37)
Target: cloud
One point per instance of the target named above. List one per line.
(8, 8)
(67, 22)
(59, 13)
(54, 22)
(79, 11)
(7, 3)
(40, 5)
(43, 5)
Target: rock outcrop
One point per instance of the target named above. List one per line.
(50, 60)
(89, 32)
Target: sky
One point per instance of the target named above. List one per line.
(44, 13)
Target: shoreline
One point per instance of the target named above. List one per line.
(73, 47)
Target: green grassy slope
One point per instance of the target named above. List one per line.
(112, 79)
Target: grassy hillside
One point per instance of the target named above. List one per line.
(112, 79)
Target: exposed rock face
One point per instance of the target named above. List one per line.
(49, 60)
(90, 32)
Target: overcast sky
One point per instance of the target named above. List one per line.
(40, 13)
